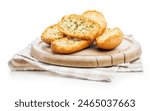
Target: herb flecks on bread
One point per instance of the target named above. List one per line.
(79, 26)
(51, 33)
(97, 17)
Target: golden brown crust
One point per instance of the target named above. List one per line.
(79, 26)
(110, 39)
(69, 45)
(97, 17)
(51, 33)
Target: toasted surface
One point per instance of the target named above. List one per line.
(110, 39)
(69, 45)
(79, 26)
(97, 17)
(50, 34)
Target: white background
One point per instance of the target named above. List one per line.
(21, 21)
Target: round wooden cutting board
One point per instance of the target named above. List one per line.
(127, 51)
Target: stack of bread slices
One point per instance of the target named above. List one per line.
(76, 32)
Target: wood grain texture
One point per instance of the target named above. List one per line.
(127, 51)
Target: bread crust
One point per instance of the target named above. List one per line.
(97, 17)
(79, 26)
(51, 33)
(69, 45)
(110, 39)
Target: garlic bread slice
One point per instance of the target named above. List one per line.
(69, 45)
(51, 33)
(79, 26)
(110, 39)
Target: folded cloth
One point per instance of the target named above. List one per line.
(23, 61)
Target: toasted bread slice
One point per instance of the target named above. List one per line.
(51, 33)
(79, 26)
(97, 17)
(110, 39)
(69, 45)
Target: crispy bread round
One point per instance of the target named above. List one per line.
(51, 33)
(79, 26)
(110, 39)
(69, 45)
(97, 17)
